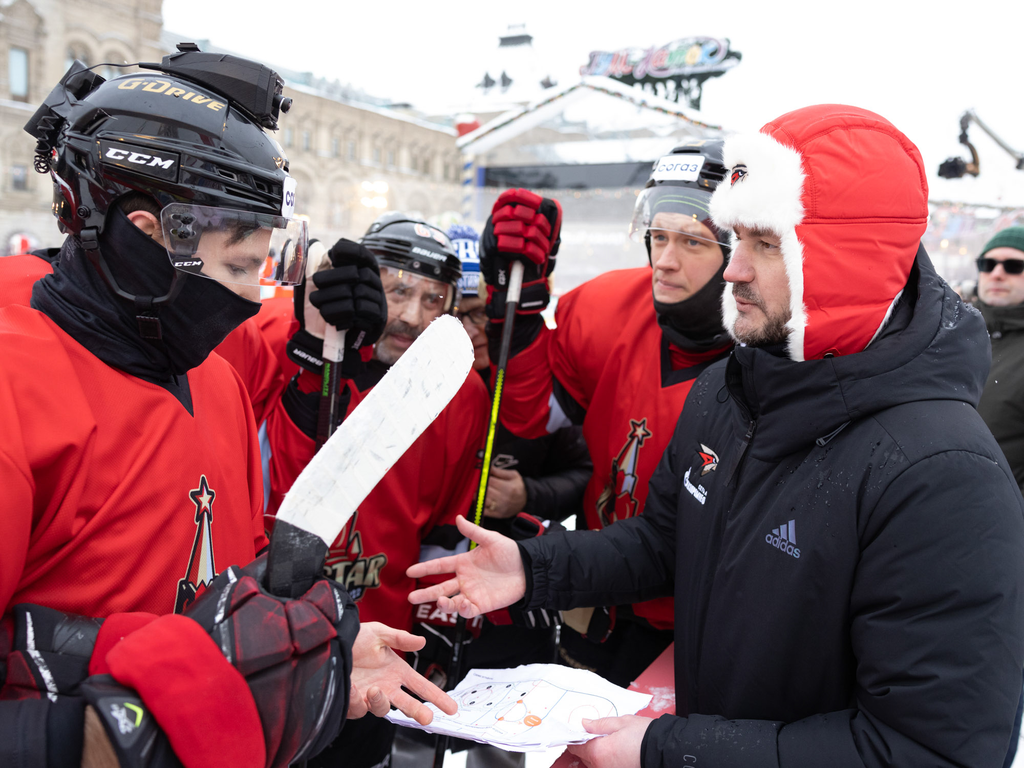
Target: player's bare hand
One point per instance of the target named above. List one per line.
(378, 674)
(486, 578)
(506, 493)
(619, 746)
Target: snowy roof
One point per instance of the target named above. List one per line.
(599, 107)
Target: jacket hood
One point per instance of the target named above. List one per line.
(935, 347)
(846, 192)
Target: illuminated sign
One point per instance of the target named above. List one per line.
(687, 62)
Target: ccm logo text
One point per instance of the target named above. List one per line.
(150, 161)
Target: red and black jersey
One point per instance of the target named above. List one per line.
(610, 356)
(435, 480)
(249, 353)
(116, 498)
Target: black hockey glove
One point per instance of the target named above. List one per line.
(49, 662)
(522, 227)
(296, 655)
(349, 295)
(244, 678)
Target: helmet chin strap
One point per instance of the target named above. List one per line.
(146, 307)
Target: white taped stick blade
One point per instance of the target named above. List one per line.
(380, 429)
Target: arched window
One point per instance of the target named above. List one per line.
(76, 51)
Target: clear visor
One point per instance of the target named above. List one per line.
(236, 247)
(674, 209)
(402, 287)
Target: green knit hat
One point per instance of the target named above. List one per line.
(1011, 237)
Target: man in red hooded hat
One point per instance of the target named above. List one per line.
(843, 537)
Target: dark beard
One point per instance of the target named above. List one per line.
(395, 327)
(774, 331)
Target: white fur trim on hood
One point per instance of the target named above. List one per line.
(766, 197)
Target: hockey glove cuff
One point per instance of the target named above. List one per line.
(170, 676)
(129, 724)
(524, 333)
(303, 406)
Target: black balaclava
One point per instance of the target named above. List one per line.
(193, 323)
(695, 324)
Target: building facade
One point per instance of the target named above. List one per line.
(353, 156)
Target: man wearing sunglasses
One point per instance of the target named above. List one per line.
(1001, 301)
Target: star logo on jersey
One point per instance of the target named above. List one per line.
(618, 499)
(201, 568)
(709, 459)
(347, 565)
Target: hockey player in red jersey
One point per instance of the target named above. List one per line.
(416, 503)
(627, 347)
(128, 453)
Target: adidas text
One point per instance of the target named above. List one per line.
(784, 538)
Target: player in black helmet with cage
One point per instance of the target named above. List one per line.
(129, 456)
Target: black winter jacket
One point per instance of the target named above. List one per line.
(1002, 402)
(845, 543)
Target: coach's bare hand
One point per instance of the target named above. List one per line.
(486, 578)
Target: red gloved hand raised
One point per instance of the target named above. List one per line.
(525, 227)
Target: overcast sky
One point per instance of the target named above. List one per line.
(918, 64)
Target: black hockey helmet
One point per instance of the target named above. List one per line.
(190, 136)
(405, 243)
(681, 183)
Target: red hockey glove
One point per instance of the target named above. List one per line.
(522, 227)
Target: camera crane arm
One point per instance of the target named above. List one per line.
(955, 167)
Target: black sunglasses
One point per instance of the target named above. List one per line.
(1010, 266)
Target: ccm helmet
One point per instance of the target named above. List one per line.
(412, 245)
(681, 183)
(189, 136)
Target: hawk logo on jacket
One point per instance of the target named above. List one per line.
(710, 459)
(618, 499)
(201, 569)
(347, 566)
(738, 173)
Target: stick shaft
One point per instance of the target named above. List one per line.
(511, 302)
(334, 353)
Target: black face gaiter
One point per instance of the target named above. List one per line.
(193, 323)
(695, 324)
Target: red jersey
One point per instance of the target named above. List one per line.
(116, 498)
(608, 352)
(245, 347)
(435, 480)
(17, 276)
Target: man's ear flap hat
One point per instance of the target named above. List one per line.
(847, 194)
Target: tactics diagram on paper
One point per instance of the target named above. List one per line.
(532, 707)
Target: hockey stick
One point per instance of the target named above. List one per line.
(333, 354)
(515, 286)
(362, 450)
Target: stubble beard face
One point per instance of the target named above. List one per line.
(773, 331)
(383, 352)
